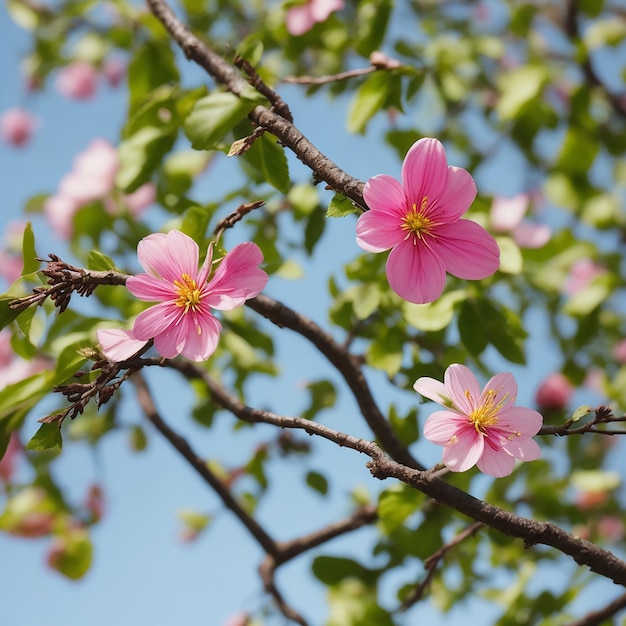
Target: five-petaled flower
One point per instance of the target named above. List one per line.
(420, 220)
(182, 322)
(480, 428)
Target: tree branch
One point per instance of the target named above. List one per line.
(228, 76)
(346, 365)
(597, 618)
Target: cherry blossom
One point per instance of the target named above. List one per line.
(77, 81)
(182, 322)
(555, 392)
(302, 17)
(420, 220)
(481, 428)
(17, 126)
(114, 70)
(506, 217)
(582, 272)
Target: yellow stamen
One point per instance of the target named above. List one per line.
(416, 222)
(189, 296)
(486, 415)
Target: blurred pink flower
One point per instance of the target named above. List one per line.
(611, 527)
(11, 266)
(182, 321)
(92, 178)
(619, 351)
(506, 217)
(138, 201)
(554, 393)
(77, 81)
(114, 70)
(482, 428)
(17, 126)
(420, 220)
(302, 17)
(581, 274)
(11, 454)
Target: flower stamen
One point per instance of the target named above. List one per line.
(189, 296)
(416, 222)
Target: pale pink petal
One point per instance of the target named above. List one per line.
(455, 199)
(495, 462)
(462, 387)
(156, 320)
(442, 426)
(507, 213)
(523, 448)
(59, 211)
(377, 231)
(169, 256)
(531, 236)
(200, 346)
(467, 250)
(505, 389)
(465, 451)
(237, 279)
(520, 419)
(424, 170)
(385, 193)
(433, 390)
(118, 344)
(415, 272)
(150, 289)
(138, 201)
(321, 9)
(77, 80)
(171, 341)
(299, 19)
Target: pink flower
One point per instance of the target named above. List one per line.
(482, 428)
(554, 393)
(59, 211)
(77, 81)
(182, 321)
(581, 274)
(238, 619)
(17, 126)
(302, 17)
(507, 215)
(11, 454)
(114, 70)
(420, 220)
(138, 201)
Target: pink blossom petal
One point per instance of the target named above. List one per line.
(377, 231)
(199, 346)
(299, 20)
(321, 9)
(531, 236)
(149, 288)
(467, 250)
(507, 213)
(442, 426)
(117, 344)
(171, 342)
(156, 320)
(238, 278)
(523, 448)
(496, 462)
(465, 451)
(433, 390)
(424, 170)
(462, 387)
(456, 197)
(521, 419)
(415, 272)
(505, 389)
(138, 201)
(384, 193)
(169, 256)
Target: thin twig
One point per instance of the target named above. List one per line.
(329, 78)
(603, 415)
(596, 618)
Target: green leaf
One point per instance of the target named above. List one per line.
(471, 328)
(578, 152)
(195, 222)
(29, 254)
(100, 262)
(340, 206)
(48, 436)
(72, 555)
(212, 117)
(368, 100)
(595, 480)
(23, 395)
(511, 261)
(331, 570)
(268, 156)
(406, 427)
(395, 505)
(436, 315)
(140, 154)
(371, 21)
(581, 411)
(519, 87)
(322, 396)
(318, 482)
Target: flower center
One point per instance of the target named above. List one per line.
(189, 296)
(486, 415)
(416, 222)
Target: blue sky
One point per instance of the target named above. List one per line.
(142, 573)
